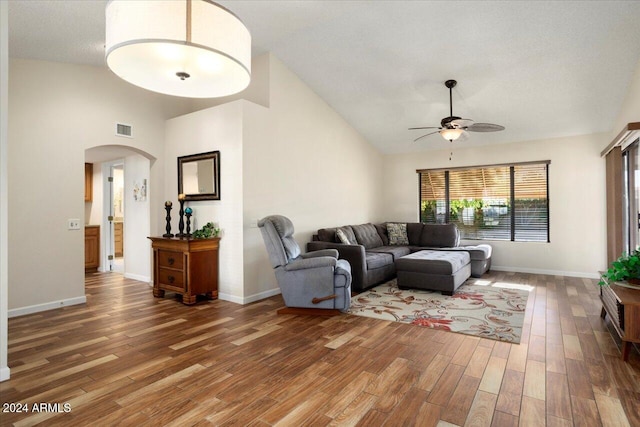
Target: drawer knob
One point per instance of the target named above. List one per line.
(171, 261)
(172, 279)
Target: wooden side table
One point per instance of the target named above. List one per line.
(185, 266)
(623, 307)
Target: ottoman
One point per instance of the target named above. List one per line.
(441, 271)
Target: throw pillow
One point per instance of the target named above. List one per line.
(397, 234)
(346, 236)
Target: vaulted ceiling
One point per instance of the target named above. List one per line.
(542, 69)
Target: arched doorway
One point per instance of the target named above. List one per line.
(120, 208)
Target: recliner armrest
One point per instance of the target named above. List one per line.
(323, 252)
(303, 264)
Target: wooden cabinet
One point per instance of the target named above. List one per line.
(623, 307)
(118, 239)
(88, 182)
(186, 266)
(91, 247)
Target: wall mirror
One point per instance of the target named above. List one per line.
(199, 176)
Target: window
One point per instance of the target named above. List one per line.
(502, 202)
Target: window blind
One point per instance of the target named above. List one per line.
(501, 202)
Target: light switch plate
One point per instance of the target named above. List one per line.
(74, 224)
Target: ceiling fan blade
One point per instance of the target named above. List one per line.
(484, 127)
(463, 136)
(429, 127)
(432, 133)
(461, 123)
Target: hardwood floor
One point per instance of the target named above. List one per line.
(127, 358)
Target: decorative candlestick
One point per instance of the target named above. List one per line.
(188, 212)
(167, 207)
(181, 223)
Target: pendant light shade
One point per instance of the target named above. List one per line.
(451, 134)
(189, 48)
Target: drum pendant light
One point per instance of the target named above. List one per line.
(188, 48)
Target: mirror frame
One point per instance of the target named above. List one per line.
(215, 155)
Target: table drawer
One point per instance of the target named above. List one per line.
(170, 259)
(172, 278)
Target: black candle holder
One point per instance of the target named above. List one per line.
(167, 207)
(188, 212)
(181, 222)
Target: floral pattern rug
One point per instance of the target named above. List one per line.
(490, 310)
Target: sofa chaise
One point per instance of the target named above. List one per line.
(372, 251)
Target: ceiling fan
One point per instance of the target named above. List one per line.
(454, 128)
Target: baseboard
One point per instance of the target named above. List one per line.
(46, 306)
(231, 298)
(250, 298)
(261, 295)
(137, 277)
(547, 272)
(5, 373)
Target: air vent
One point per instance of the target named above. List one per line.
(124, 130)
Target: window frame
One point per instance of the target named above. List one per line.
(513, 228)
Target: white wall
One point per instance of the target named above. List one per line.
(576, 188)
(4, 209)
(57, 111)
(630, 109)
(304, 161)
(138, 214)
(216, 128)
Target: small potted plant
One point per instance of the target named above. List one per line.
(207, 231)
(624, 269)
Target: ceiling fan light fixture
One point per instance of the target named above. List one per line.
(188, 48)
(451, 134)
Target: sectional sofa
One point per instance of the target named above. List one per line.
(371, 251)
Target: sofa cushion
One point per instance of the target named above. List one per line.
(367, 235)
(434, 262)
(327, 235)
(414, 231)
(439, 236)
(396, 251)
(477, 252)
(382, 232)
(377, 260)
(397, 233)
(345, 235)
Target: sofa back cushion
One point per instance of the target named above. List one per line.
(382, 232)
(367, 235)
(414, 231)
(327, 235)
(439, 236)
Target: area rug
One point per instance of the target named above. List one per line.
(480, 308)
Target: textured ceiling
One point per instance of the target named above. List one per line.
(541, 69)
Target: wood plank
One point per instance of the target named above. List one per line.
(558, 399)
(492, 378)
(533, 412)
(461, 400)
(534, 380)
(611, 411)
(510, 397)
(482, 409)
(446, 385)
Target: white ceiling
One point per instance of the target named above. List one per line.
(541, 69)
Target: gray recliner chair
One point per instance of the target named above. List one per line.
(313, 280)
